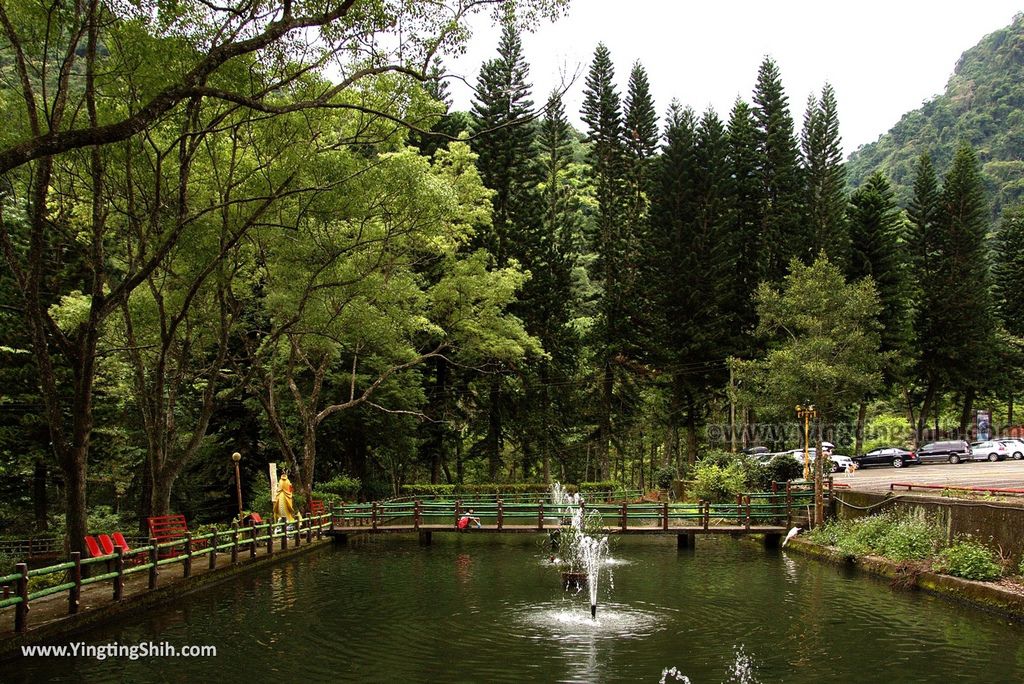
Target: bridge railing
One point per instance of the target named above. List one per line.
(118, 566)
(759, 508)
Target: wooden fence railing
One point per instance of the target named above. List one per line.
(761, 508)
(118, 566)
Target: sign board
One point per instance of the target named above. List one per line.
(984, 425)
(273, 483)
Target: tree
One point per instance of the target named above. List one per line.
(1008, 270)
(507, 163)
(91, 79)
(827, 354)
(783, 228)
(602, 113)
(825, 177)
(875, 250)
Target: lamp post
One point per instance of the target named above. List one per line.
(807, 412)
(236, 457)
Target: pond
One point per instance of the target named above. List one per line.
(489, 608)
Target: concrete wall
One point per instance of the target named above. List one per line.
(995, 524)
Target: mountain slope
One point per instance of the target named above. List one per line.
(983, 104)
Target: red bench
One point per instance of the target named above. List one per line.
(166, 528)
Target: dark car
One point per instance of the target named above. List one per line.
(951, 450)
(894, 456)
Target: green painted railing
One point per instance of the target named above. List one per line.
(236, 539)
(757, 508)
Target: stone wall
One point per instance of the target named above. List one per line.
(994, 523)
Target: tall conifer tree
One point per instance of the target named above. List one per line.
(783, 229)
(602, 113)
(825, 178)
(745, 219)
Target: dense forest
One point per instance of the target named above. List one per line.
(982, 105)
(215, 243)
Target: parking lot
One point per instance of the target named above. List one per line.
(973, 474)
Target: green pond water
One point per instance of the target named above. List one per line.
(488, 608)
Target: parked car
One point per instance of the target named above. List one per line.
(1015, 447)
(839, 462)
(992, 450)
(951, 450)
(895, 456)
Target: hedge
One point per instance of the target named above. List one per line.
(470, 489)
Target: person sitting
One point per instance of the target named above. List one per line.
(468, 519)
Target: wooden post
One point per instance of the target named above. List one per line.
(252, 539)
(748, 511)
(213, 550)
(75, 594)
(188, 554)
(270, 539)
(309, 529)
(234, 543)
(153, 557)
(416, 514)
(739, 509)
(284, 536)
(789, 506)
(707, 513)
(501, 514)
(373, 515)
(540, 516)
(622, 516)
(298, 532)
(830, 499)
(458, 512)
(21, 609)
(664, 515)
(119, 569)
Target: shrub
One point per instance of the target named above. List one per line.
(102, 519)
(900, 538)
(970, 560)
(342, 486)
(782, 468)
(664, 476)
(1020, 568)
(714, 483)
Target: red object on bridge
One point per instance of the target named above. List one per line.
(316, 507)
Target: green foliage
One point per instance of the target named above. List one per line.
(969, 559)
(341, 486)
(1020, 566)
(102, 519)
(718, 484)
(485, 488)
(899, 537)
(981, 105)
(664, 476)
(781, 468)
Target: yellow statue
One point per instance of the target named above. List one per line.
(283, 507)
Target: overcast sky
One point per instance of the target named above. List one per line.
(882, 58)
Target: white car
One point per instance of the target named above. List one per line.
(1015, 448)
(839, 462)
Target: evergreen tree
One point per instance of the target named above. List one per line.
(745, 218)
(641, 121)
(507, 165)
(875, 251)
(602, 113)
(783, 228)
(1008, 270)
(825, 178)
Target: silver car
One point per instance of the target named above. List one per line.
(991, 450)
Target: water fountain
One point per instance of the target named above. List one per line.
(584, 553)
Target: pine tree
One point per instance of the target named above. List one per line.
(875, 225)
(745, 219)
(1008, 270)
(602, 113)
(507, 164)
(825, 178)
(783, 228)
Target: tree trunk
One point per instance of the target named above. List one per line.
(911, 419)
(604, 433)
(494, 428)
(1009, 412)
(691, 429)
(163, 482)
(926, 407)
(965, 415)
(862, 411)
(39, 503)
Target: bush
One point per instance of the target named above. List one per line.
(343, 486)
(664, 476)
(466, 490)
(783, 468)
(103, 520)
(970, 560)
(900, 538)
(1020, 568)
(714, 483)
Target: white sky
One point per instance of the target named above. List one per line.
(882, 58)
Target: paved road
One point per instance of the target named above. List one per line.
(976, 474)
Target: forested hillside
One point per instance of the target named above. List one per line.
(983, 105)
